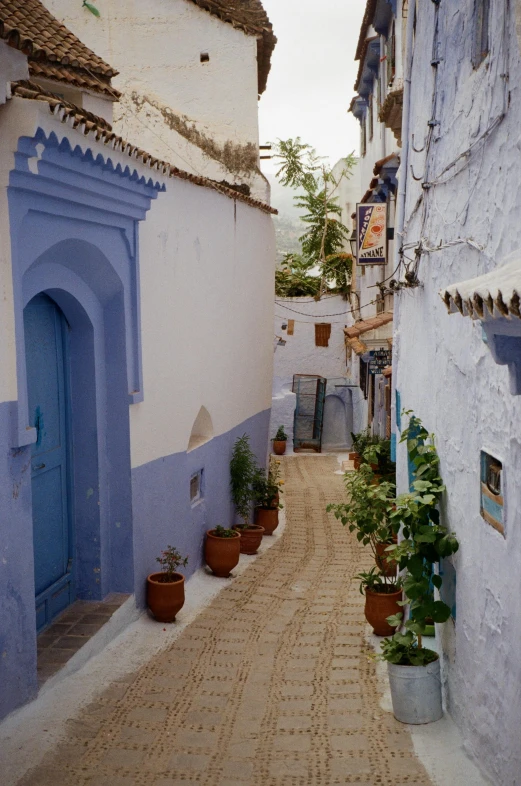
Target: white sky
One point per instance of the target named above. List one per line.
(313, 71)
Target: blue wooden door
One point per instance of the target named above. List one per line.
(47, 375)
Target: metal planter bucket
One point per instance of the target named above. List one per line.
(416, 692)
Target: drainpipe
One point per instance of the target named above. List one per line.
(401, 198)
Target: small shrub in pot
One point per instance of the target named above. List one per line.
(222, 550)
(166, 590)
(279, 441)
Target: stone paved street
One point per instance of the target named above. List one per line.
(270, 685)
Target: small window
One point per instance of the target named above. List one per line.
(481, 44)
(380, 304)
(196, 487)
(205, 57)
(371, 118)
(363, 137)
(491, 506)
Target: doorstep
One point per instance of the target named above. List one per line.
(72, 630)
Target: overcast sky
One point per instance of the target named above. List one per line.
(312, 75)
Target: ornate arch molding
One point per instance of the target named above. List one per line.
(63, 197)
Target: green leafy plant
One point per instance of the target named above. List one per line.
(368, 508)
(378, 452)
(325, 236)
(243, 472)
(223, 532)
(266, 487)
(362, 440)
(281, 434)
(425, 542)
(376, 581)
(170, 560)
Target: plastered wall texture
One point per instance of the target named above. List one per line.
(156, 45)
(300, 355)
(204, 267)
(446, 374)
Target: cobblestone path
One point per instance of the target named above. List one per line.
(269, 686)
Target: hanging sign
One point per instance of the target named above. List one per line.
(371, 222)
(380, 359)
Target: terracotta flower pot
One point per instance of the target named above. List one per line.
(279, 447)
(165, 598)
(267, 518)
(251, 538)
(356, 459)
(387, 566)
(379, 606)
(222, 554)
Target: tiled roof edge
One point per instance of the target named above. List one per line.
(92, 124)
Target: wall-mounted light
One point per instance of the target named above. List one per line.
(352, 243)
(281, 341)
(284, 326)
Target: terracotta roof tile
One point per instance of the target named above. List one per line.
(358, 346)
(249, 16)
(367, 21)
(75, 77)
(89, 123)
(29, 26)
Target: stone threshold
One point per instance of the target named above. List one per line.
(71, 631)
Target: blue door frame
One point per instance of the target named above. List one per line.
(46, 343)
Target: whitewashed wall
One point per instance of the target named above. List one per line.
(156, 47)
(300, 355)
(446, 374)
(206, 319)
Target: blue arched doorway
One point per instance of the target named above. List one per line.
(47, 363)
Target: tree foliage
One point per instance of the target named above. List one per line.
(323, 257)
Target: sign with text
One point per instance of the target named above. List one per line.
(380, 359)
(371, 223)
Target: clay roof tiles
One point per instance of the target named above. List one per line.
(54, 52)
(29, 26)
(249, 16)
(88, 123)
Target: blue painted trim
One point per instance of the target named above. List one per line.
(76, 195)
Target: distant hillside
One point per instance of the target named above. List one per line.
(288, 227)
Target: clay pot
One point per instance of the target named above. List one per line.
(379, 606)
(356, 459)
(165, 598)
(222, 554)
(267, 518)
(387, 566)
(251, 538)
(279, 447)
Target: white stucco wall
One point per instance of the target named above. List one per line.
(206, 276)
(446, 374)
(300, 355)
(207, 267)
(156, 47)
(13, 66)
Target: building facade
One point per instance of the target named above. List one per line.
(377, 105)
(459, 371)
(190, 97)
(132, 294)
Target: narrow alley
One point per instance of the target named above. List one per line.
(271, 684)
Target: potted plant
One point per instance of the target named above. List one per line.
(266, 488)
(414, 670)
(243, 471)
(166, 590)
(359, 444)
(383, 596)
(222, 550)
(279, 441)
(367, 511)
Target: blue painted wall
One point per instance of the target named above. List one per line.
(17, 613)
(162, 511)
